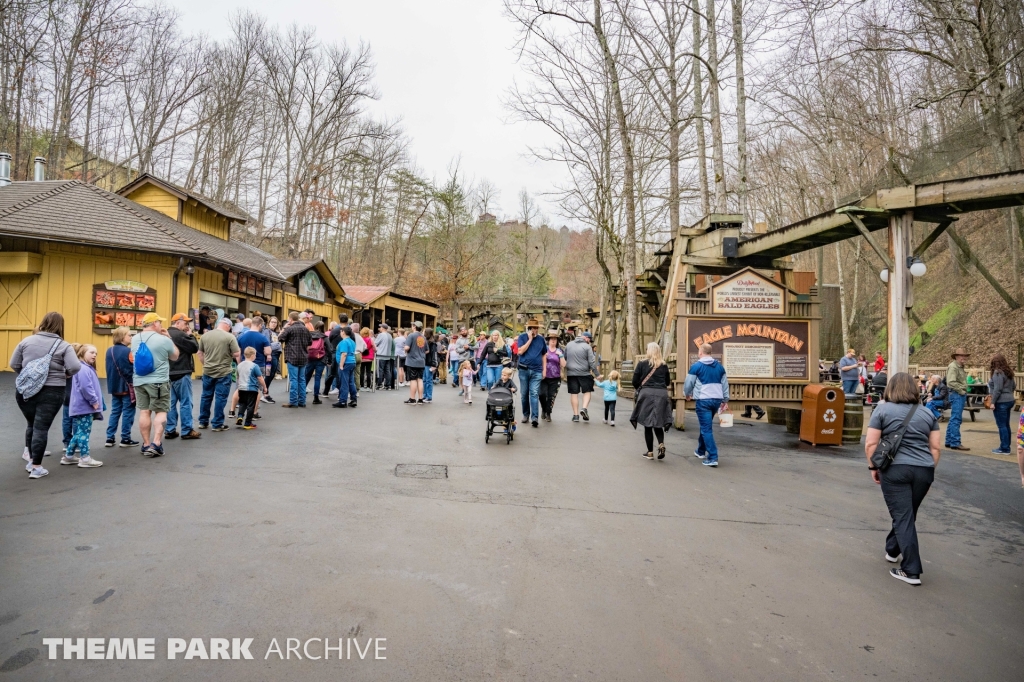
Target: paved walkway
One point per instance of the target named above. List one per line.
(564, 555)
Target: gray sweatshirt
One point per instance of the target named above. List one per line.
(63, 364)
(1000, 387)
(579, 358)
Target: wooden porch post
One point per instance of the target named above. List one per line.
(901, 296)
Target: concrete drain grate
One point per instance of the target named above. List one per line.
(422, 470)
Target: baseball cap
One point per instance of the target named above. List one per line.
(383, 325)
(418, 324)
(239, 316)
(179, 316)
(150, 318)
(588, 335)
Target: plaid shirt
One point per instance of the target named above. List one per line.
(296, 339)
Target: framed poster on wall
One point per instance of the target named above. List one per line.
(232, 284)
(268, 289)
(754, 349)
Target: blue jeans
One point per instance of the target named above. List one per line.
(215, 389)
(296, 384)
(453, 371)
(181, 400)
(956, 417)
(65, 425)
(529, 384)
(850, 386)
(315, 370)
(706, 411)
(428, 383)
(1001, 411)
(121, 407)
(492, 375)
(347, 383)
(935, 408)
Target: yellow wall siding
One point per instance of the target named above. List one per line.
(204, 220)
(419, 308)
(293, 302)
(66, 286)
(156, 199)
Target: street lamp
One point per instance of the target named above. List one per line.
(884, 275)
(917, 266)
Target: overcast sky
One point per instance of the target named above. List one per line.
(443, 66)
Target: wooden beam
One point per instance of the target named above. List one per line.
(900, 296)
(871, 240)
(966, 249)
(932, 236)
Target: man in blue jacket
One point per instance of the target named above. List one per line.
(707, 384)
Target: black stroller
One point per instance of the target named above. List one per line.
(501, 413)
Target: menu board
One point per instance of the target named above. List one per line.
(248, 285)
(121, 303)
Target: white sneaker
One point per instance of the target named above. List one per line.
(38, 472)
(89, 463)
(333, 391)
(611, 423)
(891, 559)
(70, 460)
(28, 467)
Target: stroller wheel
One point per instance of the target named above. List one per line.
(487, 437)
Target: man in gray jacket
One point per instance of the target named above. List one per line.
(580, 368)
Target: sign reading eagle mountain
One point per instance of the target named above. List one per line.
(747, 293)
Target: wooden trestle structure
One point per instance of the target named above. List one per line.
(715, 246)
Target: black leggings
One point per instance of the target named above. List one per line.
(649, 434)
(40, 411)
(366, 374)
(609, 410)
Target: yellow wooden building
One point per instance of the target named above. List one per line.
(104, 259)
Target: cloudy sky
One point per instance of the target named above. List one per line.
(443, 67)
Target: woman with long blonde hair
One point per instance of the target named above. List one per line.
(651, 405)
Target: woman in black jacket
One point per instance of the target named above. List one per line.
(652, 407)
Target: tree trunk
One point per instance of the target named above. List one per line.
(698, 114)
(629, 274)
(717, 153)
(741, 114)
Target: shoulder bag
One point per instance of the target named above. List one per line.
(32, 376)
(883, 455)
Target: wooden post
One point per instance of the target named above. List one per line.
(900, 292)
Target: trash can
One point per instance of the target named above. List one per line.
(822, 421)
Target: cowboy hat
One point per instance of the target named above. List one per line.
(961, 351)
(533, 322)
(553, 334)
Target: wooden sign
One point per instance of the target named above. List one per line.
(753, 349)
(748, 293)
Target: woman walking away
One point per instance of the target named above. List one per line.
(46, 360)
(652, 408)
(466, 374)
(611, 395)
(906, 481)
(1000, 388)
(86, 407)
(551, 379)
(119, 385)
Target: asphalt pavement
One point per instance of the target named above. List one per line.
(565, 555)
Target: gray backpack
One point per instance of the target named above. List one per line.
(32, 376)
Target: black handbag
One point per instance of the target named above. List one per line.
(883, 455)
